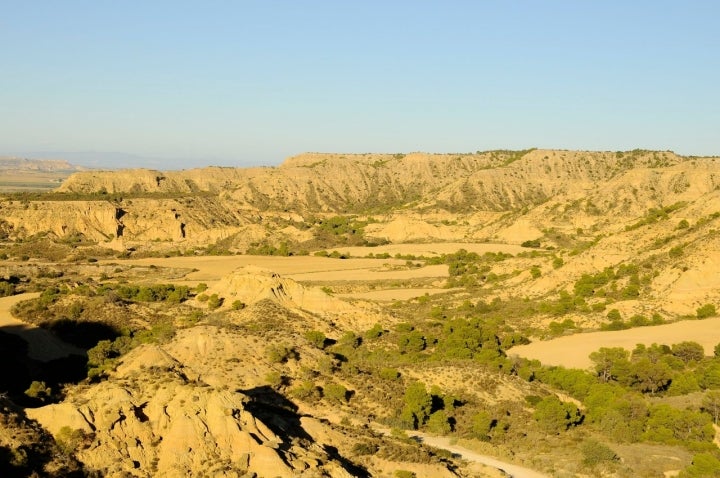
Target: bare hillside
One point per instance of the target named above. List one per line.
(310, 319)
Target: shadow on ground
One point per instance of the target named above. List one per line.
(281, 416)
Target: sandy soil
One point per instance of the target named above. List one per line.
(43, 345)
(391, 294)
(301, 268)
(515, 471)
(574, 350)
(432, 249)
(371, 274)
(445, 443)
(17, 181)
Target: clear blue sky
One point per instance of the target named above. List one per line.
(252, 82)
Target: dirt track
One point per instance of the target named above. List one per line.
(444, 443)
(515, 471)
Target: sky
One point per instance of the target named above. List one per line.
(178, 84)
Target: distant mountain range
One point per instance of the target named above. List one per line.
(118, 160)
(40, 165)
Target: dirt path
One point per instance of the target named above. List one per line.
(515, 471)
(573, 351)
(42, 345)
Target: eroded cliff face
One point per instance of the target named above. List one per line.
(151, 419)
(26, 449)
(495, 181)
(94, 219)
(192, 220)
(446, 197)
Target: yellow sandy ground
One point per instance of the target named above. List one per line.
(391, 294)
(574, 350)
(303, 268)
(42, 345)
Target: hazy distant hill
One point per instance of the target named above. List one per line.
(23, 174)
(24, 164)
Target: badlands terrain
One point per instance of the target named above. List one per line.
(502, 313)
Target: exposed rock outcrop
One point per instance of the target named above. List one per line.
(252, 284)
(26, 449)
(149, 419)
(577, 189)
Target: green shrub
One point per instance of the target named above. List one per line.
(531, 243)
(676, 252)
(638, 320)
(707, 310)
(481, 424)
(411, 342)
(630, 291)
(596, 453)
(375, 332)
(69, 440)
(559, 328)
(274, 379)
(214, 301)
(614, 314)
(316, 338)
(598, 307)
(392, 374)
(336, 393)
(350, 339)
(280, 353)
(364, 448)
(688, 351)
(672, 426)
(404, 474)
(6, 288)
(615, 325)
(657, 319)
(238, 305)
(306, 390)
(438, 423)
(683, 384)
(418, 403)
(38, 390)
(555, 416)
(703, 465)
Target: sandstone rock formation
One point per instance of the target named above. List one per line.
(251, 285)
(149, 419)
(569, 188)
(26, 449)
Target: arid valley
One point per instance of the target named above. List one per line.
(499, 313)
